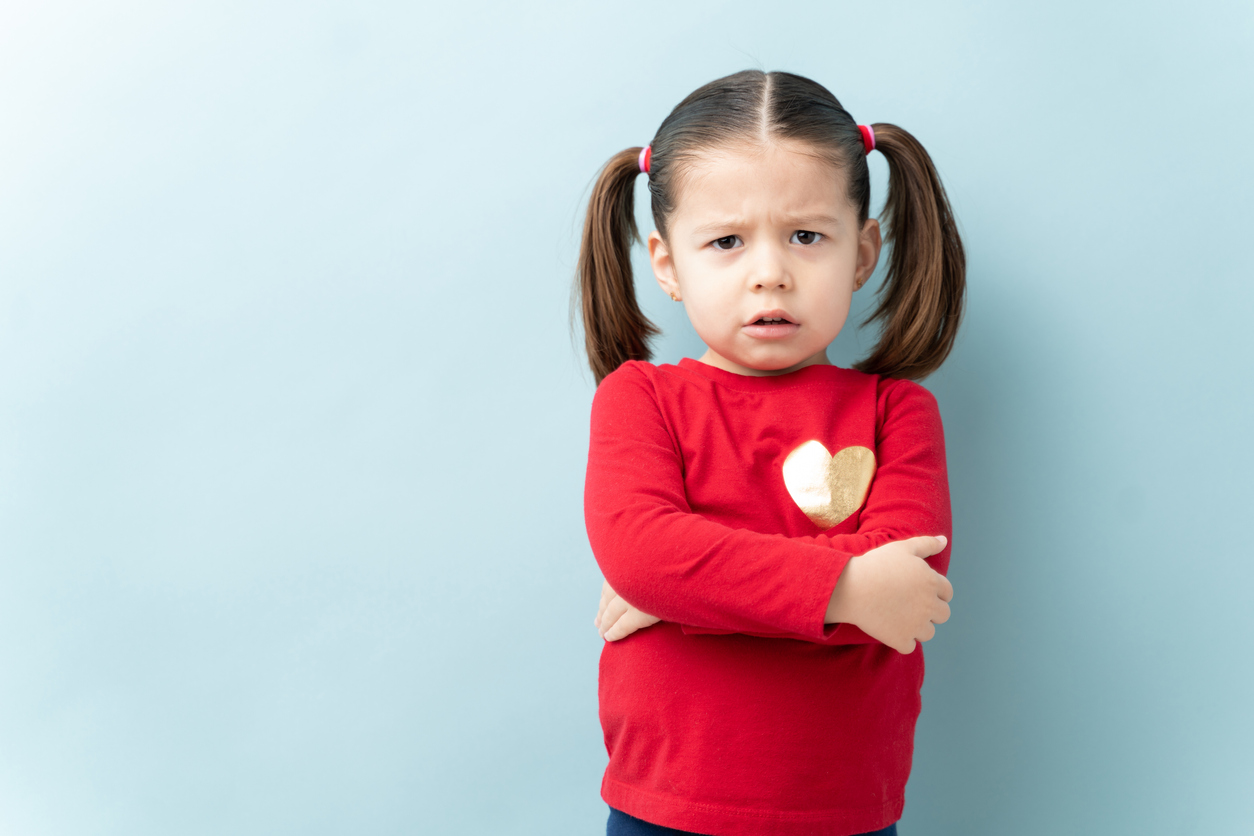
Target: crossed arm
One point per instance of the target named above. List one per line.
(883, 583)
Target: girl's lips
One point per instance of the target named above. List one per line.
(774, 331)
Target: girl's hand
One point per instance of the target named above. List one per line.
(616, 618)
(892, 594)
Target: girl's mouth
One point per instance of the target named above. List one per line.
(771, 327)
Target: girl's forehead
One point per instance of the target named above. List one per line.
(783, 177)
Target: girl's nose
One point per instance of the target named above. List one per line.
(780, 283)
(769, 270)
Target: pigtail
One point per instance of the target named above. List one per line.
(920, 302)
(615, 330)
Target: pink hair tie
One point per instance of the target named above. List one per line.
(646, 157)
(868, 137)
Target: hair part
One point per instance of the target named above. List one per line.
(921, 299)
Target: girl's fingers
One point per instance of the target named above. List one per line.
(927, 546)
(928, 633)
(622, 627)
(631, 621)
(608, 616)
(607, 624)
(617, 618)
(606, 594)
(946, 592)
(613, 611)
(941, 613)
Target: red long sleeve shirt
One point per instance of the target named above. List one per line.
(741, 713)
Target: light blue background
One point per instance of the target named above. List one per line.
(293, 425)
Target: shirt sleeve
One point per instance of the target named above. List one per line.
(675, 564)
(710, 578)
(909, 495)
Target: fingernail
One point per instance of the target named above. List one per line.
(944, 540)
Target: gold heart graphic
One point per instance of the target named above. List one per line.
(828, 488)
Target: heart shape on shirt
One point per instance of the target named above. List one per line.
(828, 488)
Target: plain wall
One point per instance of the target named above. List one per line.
(293, 422)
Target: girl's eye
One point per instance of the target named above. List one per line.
(727, 242)
(803, 237)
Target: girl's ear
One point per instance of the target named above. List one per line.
(869, 243)
(663, 265)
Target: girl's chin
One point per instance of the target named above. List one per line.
(762, 363)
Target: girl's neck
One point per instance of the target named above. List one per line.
(718, 361)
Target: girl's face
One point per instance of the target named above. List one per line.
(765, 251)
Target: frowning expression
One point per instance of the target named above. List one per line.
(766, 251)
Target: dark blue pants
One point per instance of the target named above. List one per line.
(622, 824)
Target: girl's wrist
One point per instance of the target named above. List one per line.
(841, 606)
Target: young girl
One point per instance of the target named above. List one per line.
(772, 528)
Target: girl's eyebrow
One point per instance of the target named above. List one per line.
(799, 221)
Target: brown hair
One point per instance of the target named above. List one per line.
(920, 302)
